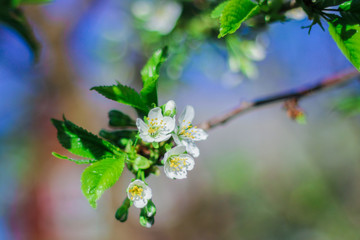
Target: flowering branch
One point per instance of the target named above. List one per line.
(297, 93)
(162, 138)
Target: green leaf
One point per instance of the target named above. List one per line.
(349, 105)
(77, 161)
(83, 143)
(118, 136)
(101, 176)
(216, 13)
(119, 119)
(353, 6)
(234, 13)
(150, 76)
(15, 19)
(347, 37)
(123, 94)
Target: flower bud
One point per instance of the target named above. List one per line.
(147, 215)
(155, 170)
(149, 210)
(141, 163)
(169, 109)
(146, 221)
(122, 212)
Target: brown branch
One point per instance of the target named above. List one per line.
(296, 93)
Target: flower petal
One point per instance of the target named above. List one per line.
(176, 150)
(138, 182)
(190, 163)
(181, 174)
(169, 124)
(162, 137)
(155, 113)
(146, 138)
(147, 193)
(186, 116)
(174, 174)
(176, 139)
(191, 148)
(141, 125)
(168, 172)
(140, 203)
(199, 134)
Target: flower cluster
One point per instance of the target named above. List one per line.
(160, 126)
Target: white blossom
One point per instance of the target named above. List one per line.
(177, 163)
(158, 128)
(139, 193)
(186, 134)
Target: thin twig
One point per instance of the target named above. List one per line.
(296, 93)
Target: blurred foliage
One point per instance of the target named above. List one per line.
(349, 105)
(274, 204)
(13, 16)
(185, 25)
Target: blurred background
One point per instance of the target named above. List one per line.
(260, 176)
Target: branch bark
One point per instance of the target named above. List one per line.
(297, 93)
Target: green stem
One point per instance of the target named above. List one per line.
(136, 140)
(140, 175)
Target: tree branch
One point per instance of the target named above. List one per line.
(296, 93)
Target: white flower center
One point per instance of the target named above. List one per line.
(155, 126)
(188, 131)
(177, 163)
(136, 192)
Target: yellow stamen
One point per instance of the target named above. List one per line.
(136, 191)
(177, 163)
(153, 130)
